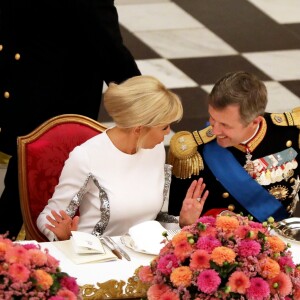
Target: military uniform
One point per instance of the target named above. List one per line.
(54, 57)
(270, 158)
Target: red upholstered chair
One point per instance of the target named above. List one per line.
(41, 156)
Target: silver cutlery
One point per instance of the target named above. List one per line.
(116, 247)
(112, 248)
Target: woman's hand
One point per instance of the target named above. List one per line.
(193, 203)
(62, 224)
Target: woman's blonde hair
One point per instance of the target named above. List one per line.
(142, 101)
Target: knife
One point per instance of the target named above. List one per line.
(109, 240)
(112, 248)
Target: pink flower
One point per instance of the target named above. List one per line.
(249, 248)
(208, 243)
(145, 274)
(167, 263)
(18, 272)
(242, 231)
(281, 284)
(208, 281)
(66, 294)
(200, 260)
(37, 257)
(70, 284)
(156, 291)
(17, 254)
(169, 295)
(207, 220)
(286, 261)
(258, 290)
(238, 282)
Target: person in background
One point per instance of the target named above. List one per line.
(119, 178)
(248, 158)
(54, 57)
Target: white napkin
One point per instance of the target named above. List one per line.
(147, 236)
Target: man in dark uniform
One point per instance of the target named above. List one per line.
(54, 57)
(247, 158)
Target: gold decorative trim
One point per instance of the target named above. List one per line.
(114, 289)
(251, 145)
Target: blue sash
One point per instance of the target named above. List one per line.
(251, 195)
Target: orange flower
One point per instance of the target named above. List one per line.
(182, 247)
(227, 223)
(181, 276)
(238, 282)
(179, 237)
(44, 280)
(269, 268)
(200, 260)
(276, 244)
(223, 254)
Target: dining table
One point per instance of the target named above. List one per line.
(118, 279)
(114, 279)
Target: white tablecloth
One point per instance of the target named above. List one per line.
(91, 273)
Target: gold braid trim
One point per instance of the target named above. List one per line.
(288, 119)
(183, 154)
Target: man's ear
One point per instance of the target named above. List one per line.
(257, 120)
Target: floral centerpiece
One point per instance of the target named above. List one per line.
(27, 272)
(227, 257)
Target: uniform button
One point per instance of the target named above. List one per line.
(231, 207)
(17, 56)
(6, 95)
(289, 143)
(1, 47)
(225, 195)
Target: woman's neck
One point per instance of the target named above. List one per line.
(123, 139)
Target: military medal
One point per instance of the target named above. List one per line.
(249, 166)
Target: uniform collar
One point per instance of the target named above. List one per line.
(255, 140)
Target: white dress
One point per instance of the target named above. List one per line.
(113, 190)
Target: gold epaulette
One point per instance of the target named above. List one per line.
(183, 154)
(287, 118)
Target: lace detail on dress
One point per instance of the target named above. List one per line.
(164, 216)
(104, 205)
(168, 176)
(104, 209)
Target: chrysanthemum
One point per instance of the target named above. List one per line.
(145, 274)
(167, 263)
(281, 284)
(17, 254)
(242, 231)
(269, 268)
(18, 272)
(169, 295)
(249, 248)
(200, 260)
(238, 282)
(208, 281)
(286, 261)
(258, 290)
(155, 291)
(207, 220)
(182, 249)
(66, 294)
(223, 254)
(37, 257)
(208, 243)
(179, 238)
(70, 284)
(276, 244)
(227, 223)
(44, 280)
(181, 276)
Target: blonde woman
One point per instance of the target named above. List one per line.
(119, 178)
